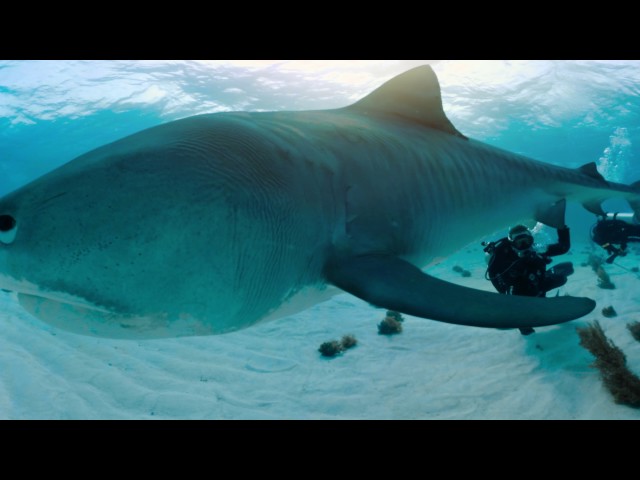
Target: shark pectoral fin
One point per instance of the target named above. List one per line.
(552, 214)
(390, 282)
(595, 207)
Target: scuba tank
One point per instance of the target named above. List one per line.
(630, 218)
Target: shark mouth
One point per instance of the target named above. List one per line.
(85, 319)
(77, 315)
(31, 292)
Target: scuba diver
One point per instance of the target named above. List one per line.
(515, 268)
(614, 232)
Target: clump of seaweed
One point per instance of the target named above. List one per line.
(331, 349)
(609, 311)
(334, 347)
(461, 271)
(348, 341)
(389, 326)
(596, 262)
(395, 315)
(603, 279)
(634, 328)
(623, 384)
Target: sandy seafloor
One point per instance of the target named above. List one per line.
(431, 370)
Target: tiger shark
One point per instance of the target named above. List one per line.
(215, 222)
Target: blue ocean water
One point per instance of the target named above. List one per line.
(563, 112)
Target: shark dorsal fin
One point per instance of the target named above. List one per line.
(414, 95)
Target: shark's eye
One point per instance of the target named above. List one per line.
(7, 229)
(7, 222)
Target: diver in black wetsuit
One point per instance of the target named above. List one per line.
(614, 232)
(515, 268)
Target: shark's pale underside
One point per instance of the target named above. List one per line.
(212, 223)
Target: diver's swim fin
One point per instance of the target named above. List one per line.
(392, 283)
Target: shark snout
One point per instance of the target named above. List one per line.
(8, 228)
